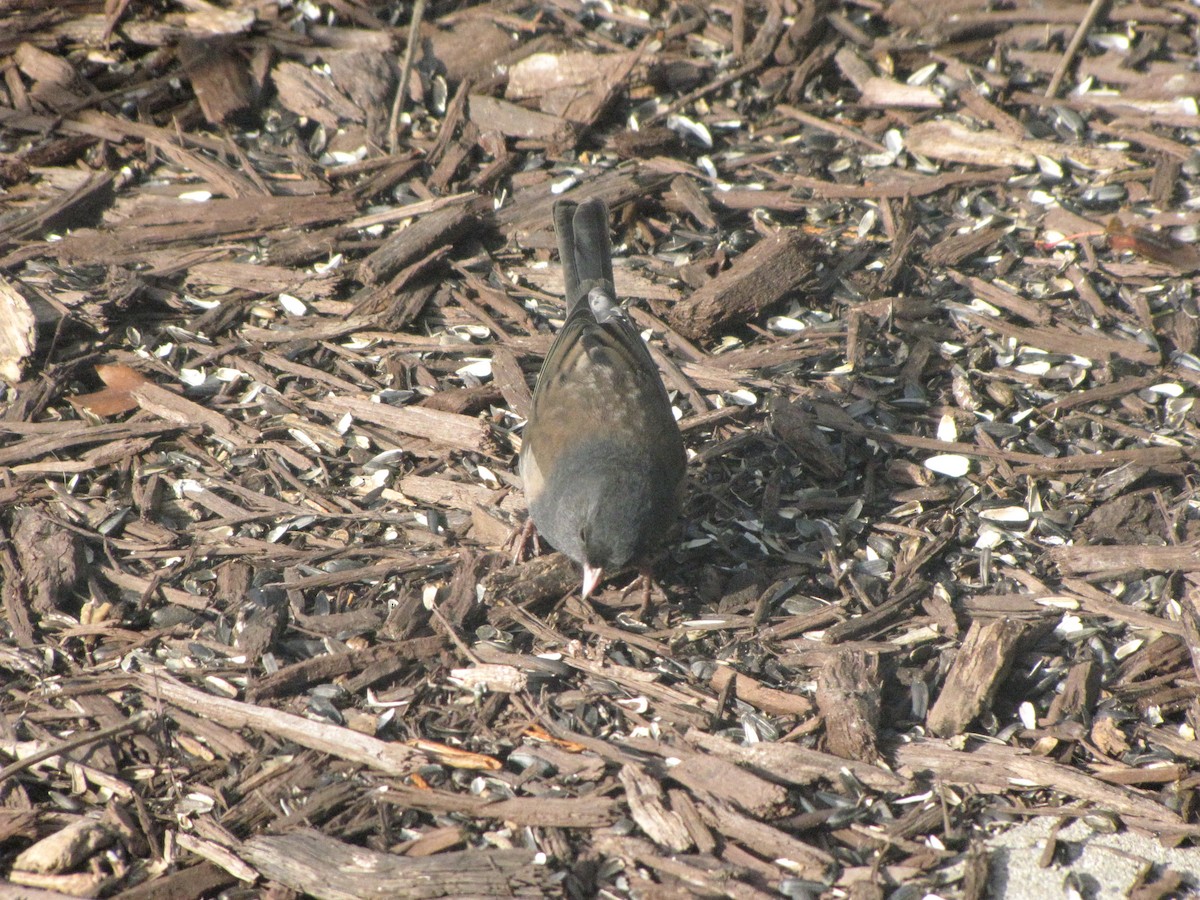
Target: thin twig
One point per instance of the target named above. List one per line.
(414, 33)
(440, 618)
(1089, 19)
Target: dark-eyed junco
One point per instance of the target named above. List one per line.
(602, 458)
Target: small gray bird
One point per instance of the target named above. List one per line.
(602, 457)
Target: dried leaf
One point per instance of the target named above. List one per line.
(456, 758)
(116, 398)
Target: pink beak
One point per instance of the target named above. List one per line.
(591, 578)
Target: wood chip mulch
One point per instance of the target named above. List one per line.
(275, 279)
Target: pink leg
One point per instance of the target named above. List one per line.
(647, 576)
(521, 539)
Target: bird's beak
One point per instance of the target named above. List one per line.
(591, 578)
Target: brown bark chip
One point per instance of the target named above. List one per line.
(771, 270)
(978, 671)
(848, 698)
(50, 556)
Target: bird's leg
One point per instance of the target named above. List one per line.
(647, 576)
(520, 539)
(646, 580)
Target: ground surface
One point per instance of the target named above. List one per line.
(921, 279)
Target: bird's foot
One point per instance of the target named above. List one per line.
(520, 539)
(646, 580)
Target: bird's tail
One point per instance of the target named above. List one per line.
(584, 247)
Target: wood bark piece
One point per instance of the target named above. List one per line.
(1122, 387)
(685, 193)
(368, 77)
(978, 671)
(795, 855)
(870, 622)
(575, 85)
(648, 807)
(848, 697)
(188, 223)
(1177, 110)
(223, 742)
(218, 855)
(18, 332)
(464, 401)
(689, 813)
(950, 141)
(1097, 603)
(458, 494)
(193, 881)
(66, 848)
(60, 442)
(309, 862)
(422, 237)
(308, 93)
(56, 82)
(552, 575)
(793, 764)
(722, 779)
(395, 759)
(797, 428)
(69, 209)
(1059, 340)
(491, 114)
(769, 700)
(954, 248)
(589, 811)
(1190, 603)
(447, 429)
(1003, 297)
(222, 178)
(490, 528)
(300, 675)
(1127, 558)
(264, 279)
(146, 587)
(892, 184)
(771, 270)
(51, 558)
(472, 49)
(680, 878)
(58, 887)
(1078, 696)
(178, 410)
(219, 76)
(628, 282)
(993, 767)
(393, 306)
(678, 704)
(806, 652)
(77, 772)
(510, 379)
(889, 92)
(1031, 463)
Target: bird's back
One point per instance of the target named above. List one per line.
(603, 460)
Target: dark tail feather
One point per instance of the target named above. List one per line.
(564, 212)
(593, 250)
